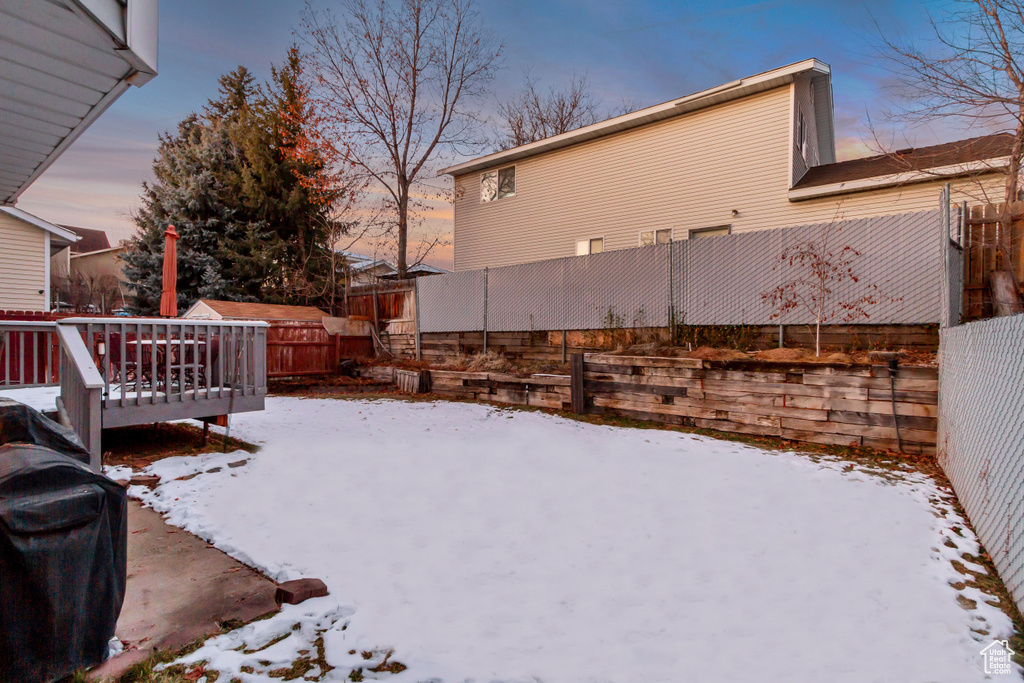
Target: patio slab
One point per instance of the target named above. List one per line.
(179, 589)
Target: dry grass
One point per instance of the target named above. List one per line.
(783, 355)
(141, 445)
(479, 362)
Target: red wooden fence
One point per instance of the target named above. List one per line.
(295, 349)
(390, 300)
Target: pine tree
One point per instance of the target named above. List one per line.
(253, 188)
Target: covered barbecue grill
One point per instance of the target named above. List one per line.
(63, 550)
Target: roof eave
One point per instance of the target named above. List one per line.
(677, 107)
(974, 168)
(62, 235)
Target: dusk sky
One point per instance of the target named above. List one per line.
(645, 52)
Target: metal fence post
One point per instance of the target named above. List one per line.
(485, 308)
(671, 297)
(416, 312)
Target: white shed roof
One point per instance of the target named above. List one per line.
(62, 63)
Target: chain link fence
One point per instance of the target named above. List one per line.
(981, 435)
(711, 281)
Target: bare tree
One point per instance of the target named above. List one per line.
(399, 81)
(971, 74)
(532, 114)
(818, 268)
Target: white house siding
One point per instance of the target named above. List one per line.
(686, 173)
(23, 261)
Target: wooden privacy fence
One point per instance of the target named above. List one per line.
(28, 353)
(990, 246)
(296, 349)
(380, 302)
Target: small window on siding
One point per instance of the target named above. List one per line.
(648, 238)
(594, 245)
(717, 231)
(498, 184)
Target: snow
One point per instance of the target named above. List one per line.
(487, 545)
(40, 398)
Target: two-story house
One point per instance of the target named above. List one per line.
(753, 154)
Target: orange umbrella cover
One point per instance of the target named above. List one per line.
(169, 297)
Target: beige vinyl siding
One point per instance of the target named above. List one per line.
(803, 101)
(23, 261)
(685, 173)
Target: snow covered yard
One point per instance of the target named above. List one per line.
(484, 545)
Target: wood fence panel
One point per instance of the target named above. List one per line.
(990, 246)
(295, 349)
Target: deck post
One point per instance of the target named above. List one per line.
(576, 384)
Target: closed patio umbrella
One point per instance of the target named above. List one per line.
(169, 297)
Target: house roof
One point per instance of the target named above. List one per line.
(91, 239)
(58, 235)
(360, 263)
(819, 72)
(62, 64)
(237, 310)
(949, 154)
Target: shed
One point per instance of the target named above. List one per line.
(212, 309)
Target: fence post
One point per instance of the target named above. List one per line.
(579, 401)
(945, 279)
(485, 308)
(416, 313)
(671, 298)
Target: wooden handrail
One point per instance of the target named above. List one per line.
(161, 321)
(71, 342)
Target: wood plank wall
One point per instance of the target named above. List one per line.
(809, 402)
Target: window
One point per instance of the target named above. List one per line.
(716, 231)
(498, 184)
(649, 238)
(594, 245)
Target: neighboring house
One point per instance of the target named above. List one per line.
(62, 64)
(212, 309)
(89, 275)
(753, 154)
(364, 270)
(27, 246)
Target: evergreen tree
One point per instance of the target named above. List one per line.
(253, 188)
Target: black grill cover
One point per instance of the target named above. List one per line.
(63, 553)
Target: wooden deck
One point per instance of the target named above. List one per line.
(115, 372)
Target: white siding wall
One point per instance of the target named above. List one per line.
(23, 261)
(686, 173)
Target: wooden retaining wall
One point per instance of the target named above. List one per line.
(546, 347)
(817, 403)
(540, 391)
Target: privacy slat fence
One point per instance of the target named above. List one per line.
(715, 281)
(981, 435)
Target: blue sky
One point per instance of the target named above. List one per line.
(645, 52)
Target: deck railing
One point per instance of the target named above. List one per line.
(79, 404)
(28, 353)
(162, 369)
